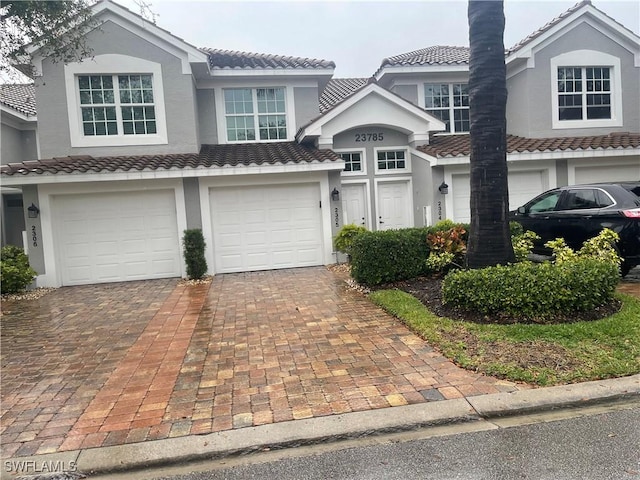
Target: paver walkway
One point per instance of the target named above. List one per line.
(103, 365)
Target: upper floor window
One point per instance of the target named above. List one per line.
(115, 100)
(450, 103)
(255, 114)
(117, 105)
(584, 93)
(586, 90)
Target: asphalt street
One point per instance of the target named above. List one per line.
(600, 443)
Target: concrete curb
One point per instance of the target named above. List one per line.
(332, 428)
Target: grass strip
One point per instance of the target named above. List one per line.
(537, 354)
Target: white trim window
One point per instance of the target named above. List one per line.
(115, 100)
(353, 162)
(584, 93)
(586, 90)
(255, 114)
(392, 160)
(117, 105)
(448, 102)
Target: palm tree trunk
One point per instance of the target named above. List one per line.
(489, 238)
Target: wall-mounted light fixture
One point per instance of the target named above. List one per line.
(443, 188)
(33, 211)
(335, 194)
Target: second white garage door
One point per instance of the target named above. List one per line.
(266, 227)
(523, 186)
(607, 173)
(112, 237)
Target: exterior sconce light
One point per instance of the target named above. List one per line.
(33, 211)
(335, 194)
(443, 188)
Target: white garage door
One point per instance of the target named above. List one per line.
(523, 186)
(112, 237)
(266, 227)
(607, 173)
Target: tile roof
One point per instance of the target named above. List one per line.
(547, 26)
(339, 89)
(435, 55)
(210, 156)
(231, 59)
(445, 146)
(20, 97)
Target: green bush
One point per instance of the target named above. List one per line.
(16, 273)
(533, 291)
(346, 235)
(393, 255)
(193, 243)
(389, 255)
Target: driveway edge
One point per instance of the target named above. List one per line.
(310, 431)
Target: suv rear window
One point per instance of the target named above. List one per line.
(635, 189)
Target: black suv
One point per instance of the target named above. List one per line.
(579, 212)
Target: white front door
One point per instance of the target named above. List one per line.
(354, 204)
(266, 227)
(394, 205)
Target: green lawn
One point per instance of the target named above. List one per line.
(532, 353)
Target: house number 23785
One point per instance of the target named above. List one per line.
(369, 137)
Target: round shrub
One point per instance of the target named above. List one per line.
(533, 291)
(346, 235)
(16, 273)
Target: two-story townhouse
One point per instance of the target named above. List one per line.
(270, 156)
(573, 108)
(152, 136)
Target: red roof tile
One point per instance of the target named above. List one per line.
(444, 146)
(210, 156)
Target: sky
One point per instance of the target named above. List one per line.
(356, 35)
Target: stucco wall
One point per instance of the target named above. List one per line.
(179, 100)
(207, 116)
(17, 145)
(306, 104)
(529, 105)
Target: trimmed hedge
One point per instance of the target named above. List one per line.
(15, 272)
(194, 244)
(391, 255)
(533, 291)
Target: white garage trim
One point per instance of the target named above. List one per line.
(615, 169)
(53, 275)
(318, 178)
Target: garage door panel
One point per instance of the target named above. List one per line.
(606, 173)
(523, 186)
(105, 238)
(273, 223)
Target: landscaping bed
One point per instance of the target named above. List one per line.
(429, 291)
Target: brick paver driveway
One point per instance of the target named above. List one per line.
(110, 364)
